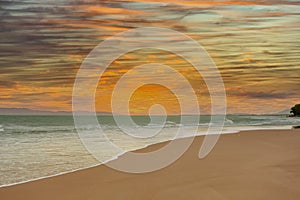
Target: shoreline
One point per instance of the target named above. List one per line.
(115, 158)
(278, 139)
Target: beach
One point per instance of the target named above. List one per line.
(260, 164)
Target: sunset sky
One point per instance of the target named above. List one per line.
(255, 45)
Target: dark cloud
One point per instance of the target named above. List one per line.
(267, 95)
(7, 84)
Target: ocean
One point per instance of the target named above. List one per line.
(32, 147)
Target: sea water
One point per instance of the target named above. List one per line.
(32, 147)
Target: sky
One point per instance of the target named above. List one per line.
(254, 44)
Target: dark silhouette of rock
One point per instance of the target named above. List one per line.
(295, 111)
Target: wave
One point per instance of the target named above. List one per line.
(34, 129)
(229, 121)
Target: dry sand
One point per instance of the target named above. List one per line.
(247, 165)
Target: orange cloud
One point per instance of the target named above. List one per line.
(108, 10)
(203, 3)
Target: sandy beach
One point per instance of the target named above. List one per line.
(246, 165)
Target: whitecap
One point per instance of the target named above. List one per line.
(229, 121)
